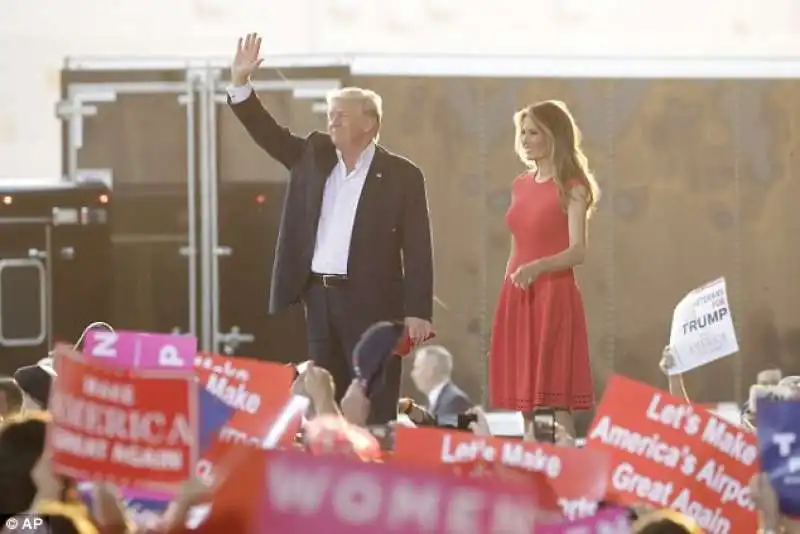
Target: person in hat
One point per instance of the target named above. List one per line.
(28, 484)
(11, 397)
(35, 382)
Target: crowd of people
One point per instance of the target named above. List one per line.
(28, 484)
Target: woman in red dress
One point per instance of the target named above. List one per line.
(539, 355)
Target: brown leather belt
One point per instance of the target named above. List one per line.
(329, 280)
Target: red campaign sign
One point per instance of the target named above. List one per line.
(578, 477)
(672, 454)
(256, 390)
(294, 492)
(335, 495)
(133, 428)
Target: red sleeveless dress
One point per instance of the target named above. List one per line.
(539, 354)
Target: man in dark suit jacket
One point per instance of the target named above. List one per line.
(354, 242)
(432, 374)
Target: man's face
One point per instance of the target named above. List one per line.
(535, 142)
(422, 373)
(769, 377)
(348, 124)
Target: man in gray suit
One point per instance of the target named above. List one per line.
(432, 374)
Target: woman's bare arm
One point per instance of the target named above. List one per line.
(676, 385)
(575, 253)
(511, 252)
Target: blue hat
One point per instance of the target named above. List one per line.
(372, 351)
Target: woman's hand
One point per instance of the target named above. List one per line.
(525, 275)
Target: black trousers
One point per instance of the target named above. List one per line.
(334, 328)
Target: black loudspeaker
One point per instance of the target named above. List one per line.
(55, 267)
(249, 216)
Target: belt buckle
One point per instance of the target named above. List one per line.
(325, 278)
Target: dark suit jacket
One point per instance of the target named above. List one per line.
(452, 400)
(390, 267)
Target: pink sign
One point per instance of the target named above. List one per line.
(142, 350)
(338, 496)
(607, 521)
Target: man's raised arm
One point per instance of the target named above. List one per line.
(275, 139)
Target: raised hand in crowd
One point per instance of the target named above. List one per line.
(676, 385)
(299, 387)
(247, 60)
(784, 390)
(193, 492)
(107, 507)
(667, 360)
(48, 485)
(355, 404)
(317, 383)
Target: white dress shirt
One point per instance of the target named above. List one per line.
(339, 204)
(434, 394)
(338, 213)
(239, 93)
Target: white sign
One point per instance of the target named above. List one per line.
(507, 424)
(702, 328)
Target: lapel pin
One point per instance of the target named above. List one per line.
(379, 175)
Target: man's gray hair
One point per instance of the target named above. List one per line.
(371, 102)
(440, 356)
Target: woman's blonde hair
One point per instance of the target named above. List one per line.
(553, 118)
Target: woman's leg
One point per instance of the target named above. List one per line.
(530, 430)
(552, 417)
(564, 418)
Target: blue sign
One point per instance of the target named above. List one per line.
(214, 414)
(778, 428)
